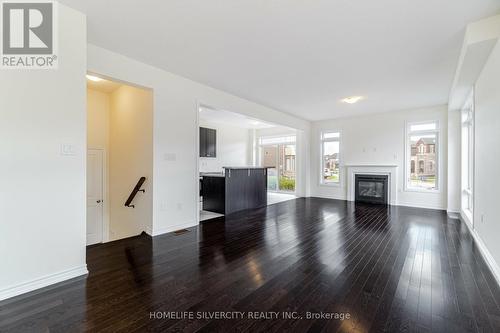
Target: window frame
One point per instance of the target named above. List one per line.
(437, 152)
(467, 179)
(322, 140)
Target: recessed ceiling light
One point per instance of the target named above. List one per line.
(93, 78)
(352, 99)
(255, 122)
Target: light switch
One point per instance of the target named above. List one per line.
(170, 157)
(68, 149)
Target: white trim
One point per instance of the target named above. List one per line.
(321, 161)
(490, 261)
(423, 206)
(294, 143)
(197, 171)
(166, 230)
(42, 282)
(330, 196)
(105, 207)
(259, 139)
(407, 162)
(469, 178)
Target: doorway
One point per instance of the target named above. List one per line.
(280, 159)
(119, 156)
(95, 192)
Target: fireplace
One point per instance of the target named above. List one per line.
(371, 188)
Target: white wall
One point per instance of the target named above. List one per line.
(42, 200)
(454, 160)
(175, 132)
(232, 147)
(487, 156)
(380, 139)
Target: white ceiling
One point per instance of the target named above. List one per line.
(297, 56)
(231, 119)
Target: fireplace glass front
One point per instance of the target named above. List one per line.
(371, 188)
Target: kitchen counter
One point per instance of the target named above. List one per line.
(211, 174)
(238, 188)
(244, 167)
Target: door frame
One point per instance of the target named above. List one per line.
(278, 173)
(105, 206)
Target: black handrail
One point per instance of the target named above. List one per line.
(136, 189)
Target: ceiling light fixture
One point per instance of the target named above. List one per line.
(255, 122)
(93, 78)
(352, 99)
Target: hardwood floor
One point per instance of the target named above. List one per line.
(390, 269)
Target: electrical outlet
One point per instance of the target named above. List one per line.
(482, 218)
(170, 157)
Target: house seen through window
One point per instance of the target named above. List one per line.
(422, 144)
(330, 157)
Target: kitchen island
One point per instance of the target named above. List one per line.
(235, 189)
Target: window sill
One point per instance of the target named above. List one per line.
(330, 184)
(421, 190)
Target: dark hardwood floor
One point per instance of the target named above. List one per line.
(390, 269)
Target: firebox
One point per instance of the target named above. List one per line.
(371, 189)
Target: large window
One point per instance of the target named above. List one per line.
(330, 158)
(422, 158)
(278, 155)
(468, 157)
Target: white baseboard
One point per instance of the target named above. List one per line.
(334, 197)
(453, 214)
(149, 230)
(403, 204)
(42, 282)
(166, 230)
(407, 204)
(490, 261)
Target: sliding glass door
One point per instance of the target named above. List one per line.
(278, 154)
(269, 160)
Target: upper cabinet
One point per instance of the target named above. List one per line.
(208, 142)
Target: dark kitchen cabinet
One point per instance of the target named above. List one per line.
(208, 142)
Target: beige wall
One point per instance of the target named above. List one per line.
(131, 157)
(121, 122)
(98, 111)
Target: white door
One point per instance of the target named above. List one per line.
(95, 169)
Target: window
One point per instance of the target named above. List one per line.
(422, 145)
(278, 155)
(330, 158)
(272, 140)
(468, 157)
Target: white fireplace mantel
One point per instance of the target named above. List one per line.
(390, 170)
